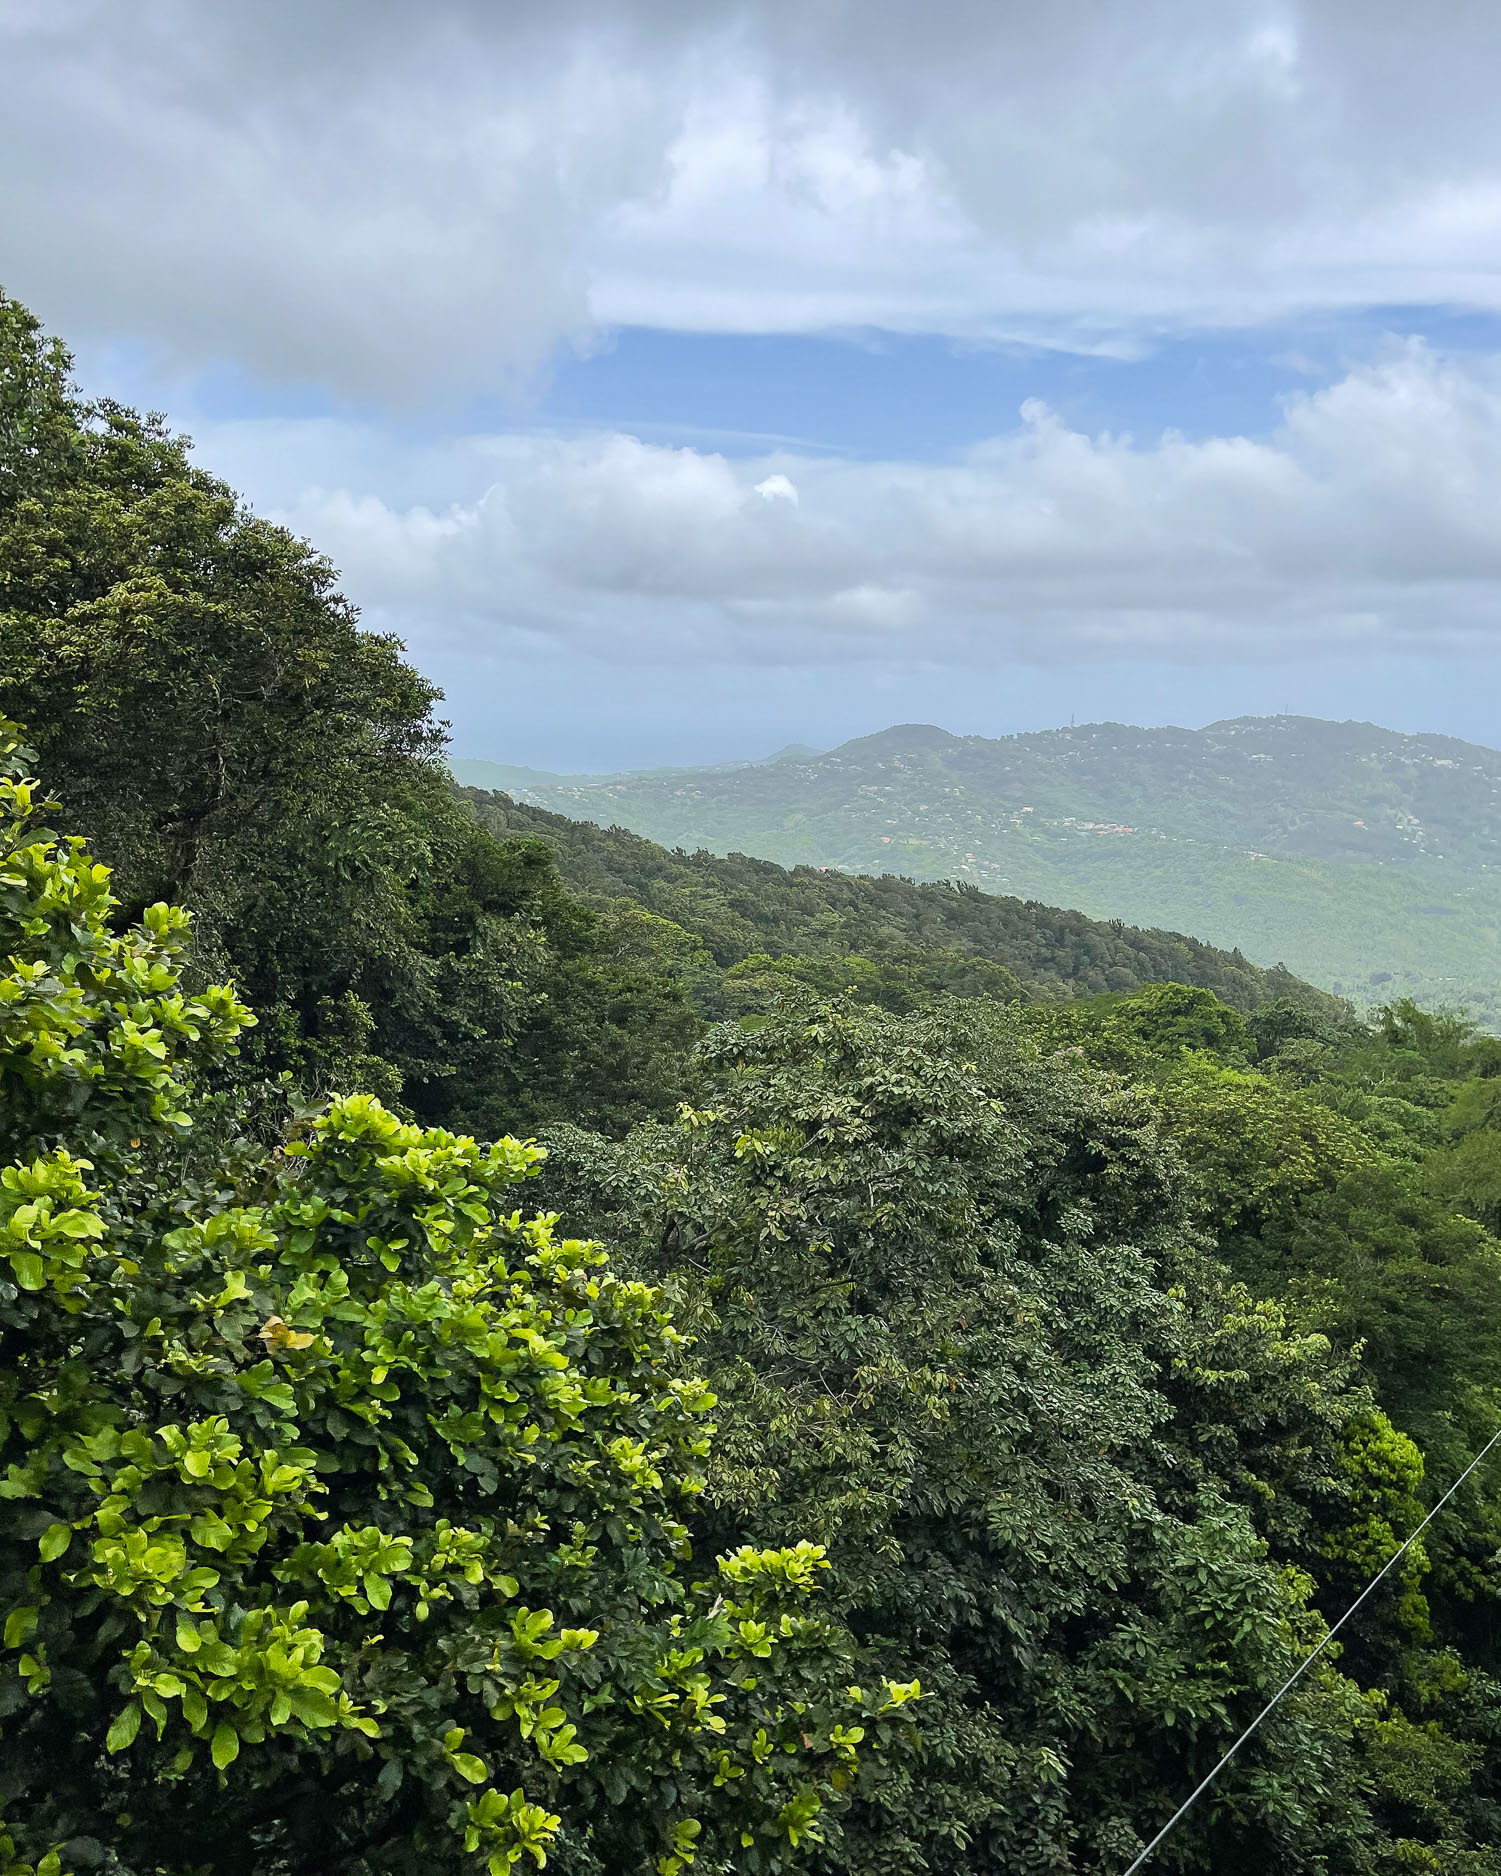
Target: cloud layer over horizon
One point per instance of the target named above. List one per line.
(1369, 521)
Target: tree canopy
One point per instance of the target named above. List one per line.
(950, 1292)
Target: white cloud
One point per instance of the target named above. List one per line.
(1371, 522)
(391, 198)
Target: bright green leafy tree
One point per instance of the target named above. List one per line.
(342, 1503)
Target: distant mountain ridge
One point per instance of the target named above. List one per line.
(1366, 860)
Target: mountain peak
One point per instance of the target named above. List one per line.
(899, 739)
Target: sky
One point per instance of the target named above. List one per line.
(682, 379)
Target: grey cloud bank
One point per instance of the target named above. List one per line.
(390, 199)
(391, 211)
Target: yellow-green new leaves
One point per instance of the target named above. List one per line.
(123, 1728)
(1383, 1472)
(420, 1506)
(54, 1541)
(48, 1864)
(48, 1223)
(95, 1027)
(504, 1829)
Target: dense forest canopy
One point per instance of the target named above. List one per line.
(907, 939)
(519, 1346)
(1366, 860)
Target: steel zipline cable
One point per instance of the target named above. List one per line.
(1297, 1674)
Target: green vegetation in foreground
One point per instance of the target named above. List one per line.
(1366, 861)
(343, 1506)
(999, 1374)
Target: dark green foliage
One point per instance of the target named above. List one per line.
(1327, 1177)
(949, 1294)
(608, 1037)
(196, 679)
(215, 722)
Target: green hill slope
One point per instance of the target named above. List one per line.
(738, 908)
(1366, 861)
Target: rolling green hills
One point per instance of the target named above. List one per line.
(1366, 861)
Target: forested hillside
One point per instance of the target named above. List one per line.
(1366, 861)
(891, 938)
(463, 1408)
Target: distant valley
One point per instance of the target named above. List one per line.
(1365, 860)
